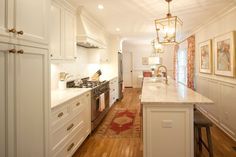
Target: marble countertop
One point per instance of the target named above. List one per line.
(155, 91)
(60, 96)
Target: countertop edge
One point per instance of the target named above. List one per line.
(58, 104)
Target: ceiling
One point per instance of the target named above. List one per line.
(135, 18)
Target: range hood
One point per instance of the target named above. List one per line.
(90, 34)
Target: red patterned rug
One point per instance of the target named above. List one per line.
(120, 123)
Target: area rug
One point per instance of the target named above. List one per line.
(120, 123)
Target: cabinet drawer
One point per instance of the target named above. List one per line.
(81, 102)
(59, 114)
(59, 136)
(71, 146)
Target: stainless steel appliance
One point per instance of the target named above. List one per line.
(120, 76)
(98, 88)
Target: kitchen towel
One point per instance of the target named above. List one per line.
(101, 102)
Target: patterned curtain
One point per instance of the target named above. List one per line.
(176, 48)
(190, 64)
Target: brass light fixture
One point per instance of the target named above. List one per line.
(168, 28)
(157, 47)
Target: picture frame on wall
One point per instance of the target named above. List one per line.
(205, 51)
(224, 52)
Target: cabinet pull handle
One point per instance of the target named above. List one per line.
(70, 127)
(12, 51)
(20, 51)
(60, 115)
(78, 104)
(20, 32)
(13, 30)
(70, 147)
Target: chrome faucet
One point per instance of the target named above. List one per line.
(164, 73)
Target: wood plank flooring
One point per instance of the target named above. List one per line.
(96, 146)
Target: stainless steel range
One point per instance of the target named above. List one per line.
(99, 99)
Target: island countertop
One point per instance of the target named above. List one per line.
(175, 93)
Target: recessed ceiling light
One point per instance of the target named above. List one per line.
(100, 6)
(117, 29)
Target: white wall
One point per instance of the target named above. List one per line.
(220, 89)
(140, 50)
(78, 68)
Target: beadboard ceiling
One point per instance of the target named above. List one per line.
(135, 18)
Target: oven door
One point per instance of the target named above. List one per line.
(96, 105)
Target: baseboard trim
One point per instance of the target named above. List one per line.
(217, 123)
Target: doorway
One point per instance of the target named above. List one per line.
(128, 69)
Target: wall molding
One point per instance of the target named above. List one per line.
(219, 79)
(227, 10)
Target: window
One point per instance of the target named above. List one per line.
(182, 63)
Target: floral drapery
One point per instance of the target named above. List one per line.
(176, 48)
(190, 64)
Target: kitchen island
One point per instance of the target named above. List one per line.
(168, 118)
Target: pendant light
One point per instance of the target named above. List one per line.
(168, 28)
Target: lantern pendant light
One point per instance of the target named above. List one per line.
(168, 28)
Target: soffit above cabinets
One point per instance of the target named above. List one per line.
(135, 18)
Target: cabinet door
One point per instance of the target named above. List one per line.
(5, 15)
(31, 17)
(32, 105)
(3, 76)
(70, 44)
(55, 32)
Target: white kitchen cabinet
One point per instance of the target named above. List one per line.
(27, 19)
(25, 73)
(70, 125)
(168, 127)
(55, 31)
(113, 85)
(3, 81)
(70, 35)
(62, 31)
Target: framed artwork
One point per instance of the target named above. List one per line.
(205, 50)
(225, 54)
(145, 60)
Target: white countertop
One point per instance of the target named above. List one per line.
(176, 93)
(60, 96)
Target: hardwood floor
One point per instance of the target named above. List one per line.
(96, 146)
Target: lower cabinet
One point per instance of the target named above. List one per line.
(113, 85)
(70, 125)
(168, 130)
(24, 109)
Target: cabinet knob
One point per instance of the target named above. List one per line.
(70, 127)
(60, 115)
(20, 32)
(13, 30)
(51, 55)
(12, 51)
(78, 104)
(87, 95)
(20, 51)
(70, 147)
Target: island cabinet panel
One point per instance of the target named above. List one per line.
(168, 131)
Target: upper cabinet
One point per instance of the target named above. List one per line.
(24, 22)
(62, 31)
